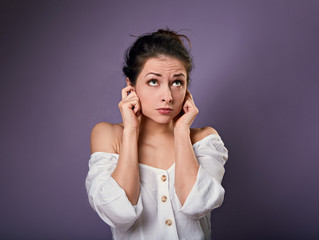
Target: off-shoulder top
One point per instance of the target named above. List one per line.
(158, 213)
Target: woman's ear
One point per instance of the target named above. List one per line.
(128, 82)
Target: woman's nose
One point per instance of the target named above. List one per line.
(167, 96)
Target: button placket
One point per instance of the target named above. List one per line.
(166, 215)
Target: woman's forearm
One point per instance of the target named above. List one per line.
(126, 173)
(186, 164)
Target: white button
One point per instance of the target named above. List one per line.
(163, 178)
(168, 222)
(164, 198)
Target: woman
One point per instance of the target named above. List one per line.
(152, 176)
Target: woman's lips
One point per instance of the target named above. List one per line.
(164, 110)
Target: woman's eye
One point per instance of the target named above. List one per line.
(177, 83)
(152, 82)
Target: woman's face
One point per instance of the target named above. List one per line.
(161, 87)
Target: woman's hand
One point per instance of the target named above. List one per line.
(190, 111)
(130, 108)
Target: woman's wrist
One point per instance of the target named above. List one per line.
(130, 133)
(130, 130)
(181, 131)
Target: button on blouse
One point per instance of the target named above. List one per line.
(158, 213)
(168, 222)
(163, 178)
(164, 198)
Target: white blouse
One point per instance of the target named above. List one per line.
(158, 213)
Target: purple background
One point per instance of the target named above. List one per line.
(255, 80)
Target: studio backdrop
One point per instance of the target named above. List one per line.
(255, 81)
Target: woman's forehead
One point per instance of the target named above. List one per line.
(163, 65)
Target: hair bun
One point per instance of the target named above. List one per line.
(172, 34)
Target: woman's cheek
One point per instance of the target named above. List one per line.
(181, 98)
(179, 92)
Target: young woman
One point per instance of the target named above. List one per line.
(153, 176)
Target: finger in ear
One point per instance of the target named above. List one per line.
(128, 82)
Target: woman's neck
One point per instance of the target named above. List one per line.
(150, 127)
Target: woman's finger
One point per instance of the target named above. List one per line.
(188, 93)
(186, 106)
(131, 97)
(126, 91)
(131, 102)
(135, 103)
(136, 108)
(189, 105)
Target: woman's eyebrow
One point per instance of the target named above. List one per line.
(157, 74)
(179, 75)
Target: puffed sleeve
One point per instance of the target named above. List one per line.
(106, 197)
(207, 192)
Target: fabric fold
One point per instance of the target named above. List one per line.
(106, 197)
(207, 192)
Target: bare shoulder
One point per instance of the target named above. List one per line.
(106, 137)
(198, 134)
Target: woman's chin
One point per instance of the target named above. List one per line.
(161, 119)
(165, 120)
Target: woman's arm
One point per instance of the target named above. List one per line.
(126, 174)
(207, 192)
(104, 138)
(106, 196)
(186, 164)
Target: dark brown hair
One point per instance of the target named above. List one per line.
(162, 42)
